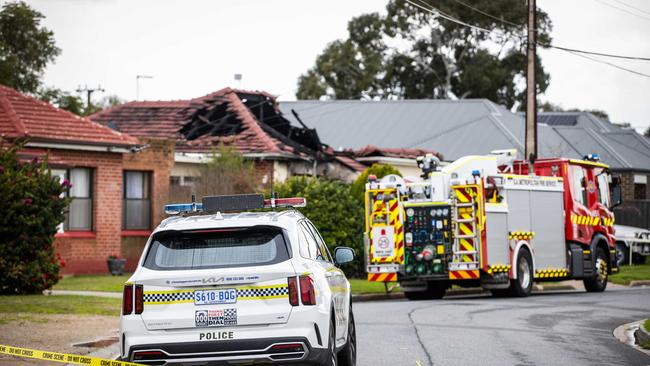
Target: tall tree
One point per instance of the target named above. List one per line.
(411, 53)
(647, 132)
(26, 47)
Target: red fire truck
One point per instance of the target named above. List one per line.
(492, 221)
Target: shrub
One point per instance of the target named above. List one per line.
(32, 207)
(333, 209)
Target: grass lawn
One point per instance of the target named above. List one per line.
(362, 286)
(59, 304)
(103, 283)
(631, 273)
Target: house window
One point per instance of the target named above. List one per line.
(79, 216)
(640, 186)
(137, 202)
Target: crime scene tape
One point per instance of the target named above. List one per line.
(62, 357)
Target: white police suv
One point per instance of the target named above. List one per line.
(218, 288)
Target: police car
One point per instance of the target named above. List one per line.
(216, 288)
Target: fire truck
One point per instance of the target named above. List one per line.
(492, 221)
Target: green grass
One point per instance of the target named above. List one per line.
(646, 325)
(58, 304)
(362, 286)
(103, 283)
(631, 273)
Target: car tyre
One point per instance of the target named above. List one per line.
(523, 284)
(622, 254)
(348, 355)
(331, 346)
(598, 283)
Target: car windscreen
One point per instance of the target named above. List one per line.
(222, 248)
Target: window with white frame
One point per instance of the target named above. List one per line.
(79, 215)
(137, 203)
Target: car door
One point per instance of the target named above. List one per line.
(337, 282)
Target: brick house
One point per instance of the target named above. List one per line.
(116, 179)
(249, 121)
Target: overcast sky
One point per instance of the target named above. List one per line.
(193, 47)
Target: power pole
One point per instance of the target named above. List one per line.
(89, 92)
(531, 86)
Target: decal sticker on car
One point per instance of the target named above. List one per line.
(211, 336)
(215, 318)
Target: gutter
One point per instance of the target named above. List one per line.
(82, 147)
(201, 158)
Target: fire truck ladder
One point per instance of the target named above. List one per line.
(466, 237)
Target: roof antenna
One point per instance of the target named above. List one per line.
(193, 203)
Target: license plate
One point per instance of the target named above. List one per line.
(208, 297)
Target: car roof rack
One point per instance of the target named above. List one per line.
(233, 203)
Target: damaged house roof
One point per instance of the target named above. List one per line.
(250, 121)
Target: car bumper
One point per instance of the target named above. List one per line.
(269, 350)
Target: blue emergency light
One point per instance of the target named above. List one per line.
(234, 202)
(592, 157)
(175, 209)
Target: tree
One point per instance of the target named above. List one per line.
(647, 132)
(74, 103)
(228, 172)
(33, 205)
(333, 209)
(26, 47)
(410, 53)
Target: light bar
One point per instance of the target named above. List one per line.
(285, 202)
(235, 202)
(177, 208)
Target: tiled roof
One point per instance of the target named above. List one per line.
(405, 153)
(165, 119)
(22, 116)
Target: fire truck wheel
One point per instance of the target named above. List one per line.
(436, 290)
(348, 355)
(523, 284)
(598, 283)
(622, 254)
(416, 295)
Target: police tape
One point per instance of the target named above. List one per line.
(62, 357)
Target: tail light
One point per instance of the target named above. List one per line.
(307, 291)
(288, 347)
(147, 355)
(293, 291)
(127, 300)
(139, 299)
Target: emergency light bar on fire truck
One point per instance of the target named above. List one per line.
(236, 202)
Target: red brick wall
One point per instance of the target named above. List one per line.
(264, 168)
(88, 254)
(158, 159)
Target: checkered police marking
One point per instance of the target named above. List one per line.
(243, 293)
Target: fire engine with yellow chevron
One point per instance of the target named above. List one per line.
(492, 221)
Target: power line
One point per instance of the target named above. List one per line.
(633, 7)
(490, 15)
(610, 64)
(595, 53)
(435, 11)
(623, 10)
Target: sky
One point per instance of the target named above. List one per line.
(193, 47)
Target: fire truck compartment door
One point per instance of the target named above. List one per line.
(383, 241)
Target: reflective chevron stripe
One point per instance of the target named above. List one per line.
(382, 277)
(464, 275)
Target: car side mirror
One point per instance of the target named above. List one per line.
(343, 255)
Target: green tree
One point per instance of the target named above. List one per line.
(26, 47)
(380, 171)
(410, 53)
(63, 100)
(32, 208)
(333, 209)
(647, 132)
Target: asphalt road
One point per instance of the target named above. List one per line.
(551, 328)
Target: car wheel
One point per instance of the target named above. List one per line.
(622, 254)
(331, 346)
(523, 284)
(598, 282)
(348, 355)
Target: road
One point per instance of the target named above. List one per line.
(551, 328)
